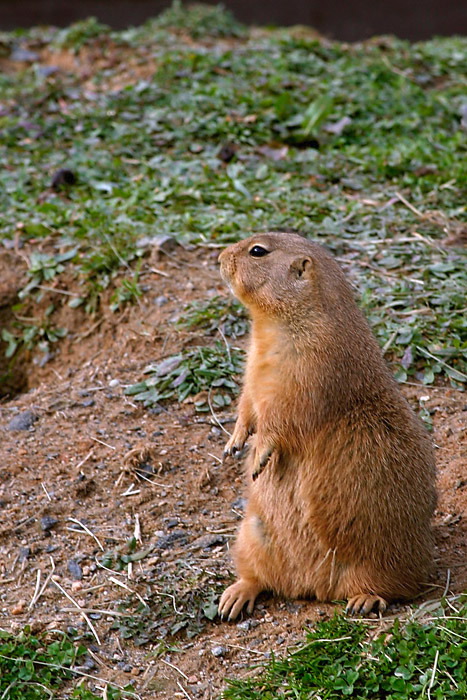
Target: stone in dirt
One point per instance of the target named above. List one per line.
(75, 570)
(47, 523)
(23, 421)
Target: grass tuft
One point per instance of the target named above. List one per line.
(408, 661)
(205, 372)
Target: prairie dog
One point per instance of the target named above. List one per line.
(340, 471)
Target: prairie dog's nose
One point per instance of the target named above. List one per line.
(219, 257)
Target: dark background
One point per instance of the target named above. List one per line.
(347, 20)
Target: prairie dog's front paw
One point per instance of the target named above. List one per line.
(237, 441)
(262, 458)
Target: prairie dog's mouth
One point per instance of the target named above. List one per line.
(228, 278)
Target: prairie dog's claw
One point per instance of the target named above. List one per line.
(365, 603)
(236, 442)
(262, 461)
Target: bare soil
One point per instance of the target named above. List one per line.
(77, 463)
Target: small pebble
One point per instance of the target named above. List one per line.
(24, 553)
(219, 651)
(76, 586)
(114, 383)
(245, 625)
(173, 522)
(176, 536)
(18, 608)
(47, 523)
(23, 421)
(88, 664)
(75, 570)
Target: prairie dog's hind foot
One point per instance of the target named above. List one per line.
(365, 603)
(236, 596)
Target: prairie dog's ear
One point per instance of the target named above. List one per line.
(302, 268)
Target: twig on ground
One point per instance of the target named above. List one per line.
(106, 568)
(169, 595)
(433, 674)
(184, 691)
(123, 585)
(90, 331)
(137, 530)
(407, 204)
(73, 601)
(250, 651)
(215, 418)
(87, 530)
(389, 341)
(36, 595)
(159, 272)
(441, 362)
(448, 581)
(111, 447)
(130, 492)
(167, 663)
(56, 290)
(96, 611)
(36, 589)
(89, 454)
(45, 491)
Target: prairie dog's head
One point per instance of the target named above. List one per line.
(281, 273)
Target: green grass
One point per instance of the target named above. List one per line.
(424, 658)
(34, 667)
(199, 372)
(360, 146)
(218, 312)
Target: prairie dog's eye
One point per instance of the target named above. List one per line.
(258, 251)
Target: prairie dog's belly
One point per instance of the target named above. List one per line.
(279, 518)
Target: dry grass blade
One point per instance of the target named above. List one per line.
(36, 590)
(184, 691)
(167, 663)
(97, 611)
(87, 530)
(73, 601)
(37, 595)
(130, 590)
(101, 442)
(433, 675)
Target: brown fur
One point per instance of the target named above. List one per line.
(345, 491)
